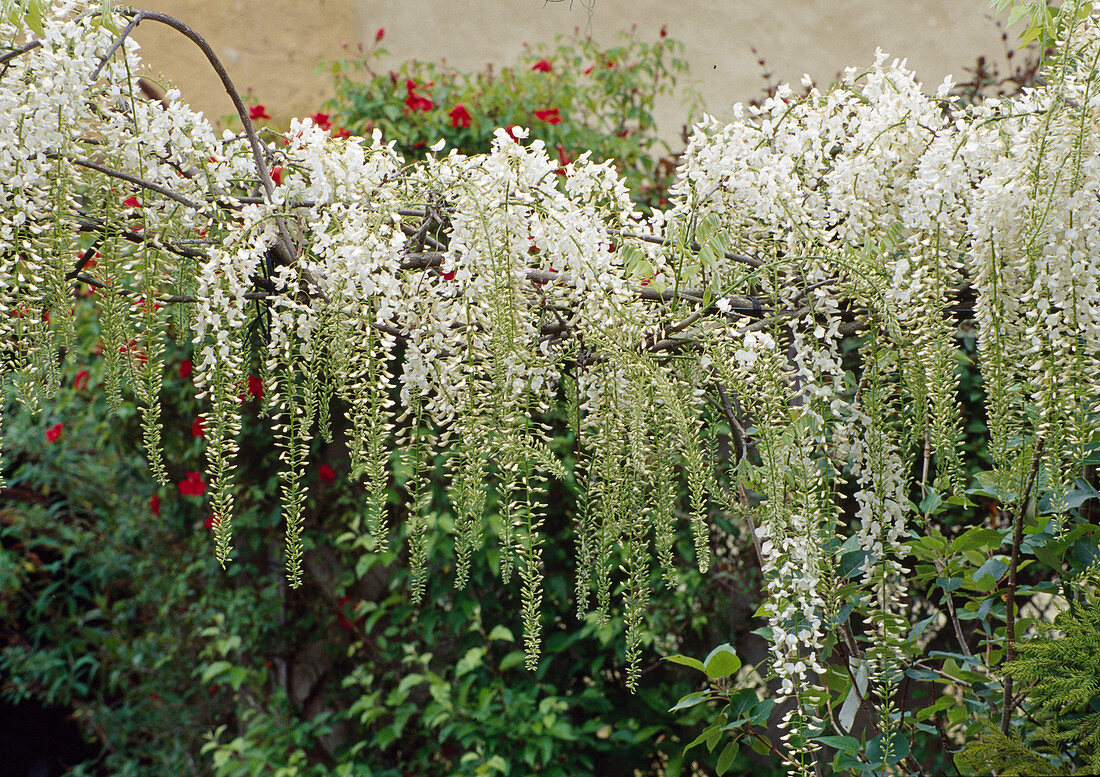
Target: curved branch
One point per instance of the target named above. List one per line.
(238, 104)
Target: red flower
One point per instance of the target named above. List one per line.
(564, 158)
(590, 69)
(418, 103)
(196, 428)
(277, 175)
(460, 117)
(257, 112)
(380, 34)
(154, 505)
(448, 276)
(414, 101)
(255, 387)
(133, 349)
(131, 202)
(53, 434)
(342, 604)
(322, 120)
(542, 66)
(209, 523)
(510, 129)
(81, 379)
(549, 115)
(664, 30)
(341, 132)
(326, 473)
(185, 368)
(192, 485)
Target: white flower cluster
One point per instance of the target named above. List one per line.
(868, 208)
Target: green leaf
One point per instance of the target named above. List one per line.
(502, 633)
(931, 503)
(34, 16)
(919, 627)
(690, 700)
(215, 670)
(725, 759)
(994, 568)
(694, 663)
(888, 748)
(714, 735)
(851, 563)
(977, 538)
(763, 712)
(849, 744)
(721, 662)
(470, 661)
(513, 658)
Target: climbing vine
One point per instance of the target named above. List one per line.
(799, 298)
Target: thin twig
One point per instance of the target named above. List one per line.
(944, 742)
(1010, 595)
(751, 262)
(163, 190)
(90, 224)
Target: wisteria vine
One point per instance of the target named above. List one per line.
(449, 305)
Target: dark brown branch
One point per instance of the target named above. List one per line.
(162, 190)
(90, 224)
(1010, 595)
(18, 52)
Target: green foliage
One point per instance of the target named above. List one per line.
(590, 97)
(742, 712)
(172, 666)
(1046, 22)
(1059, 672)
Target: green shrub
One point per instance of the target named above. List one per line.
(577, 97)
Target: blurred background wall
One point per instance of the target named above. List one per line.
(275, 49)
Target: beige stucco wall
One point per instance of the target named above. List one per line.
(273, 48)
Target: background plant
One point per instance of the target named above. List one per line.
(578, 96)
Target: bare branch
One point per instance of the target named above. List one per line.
(238, 104)
(162, 190)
